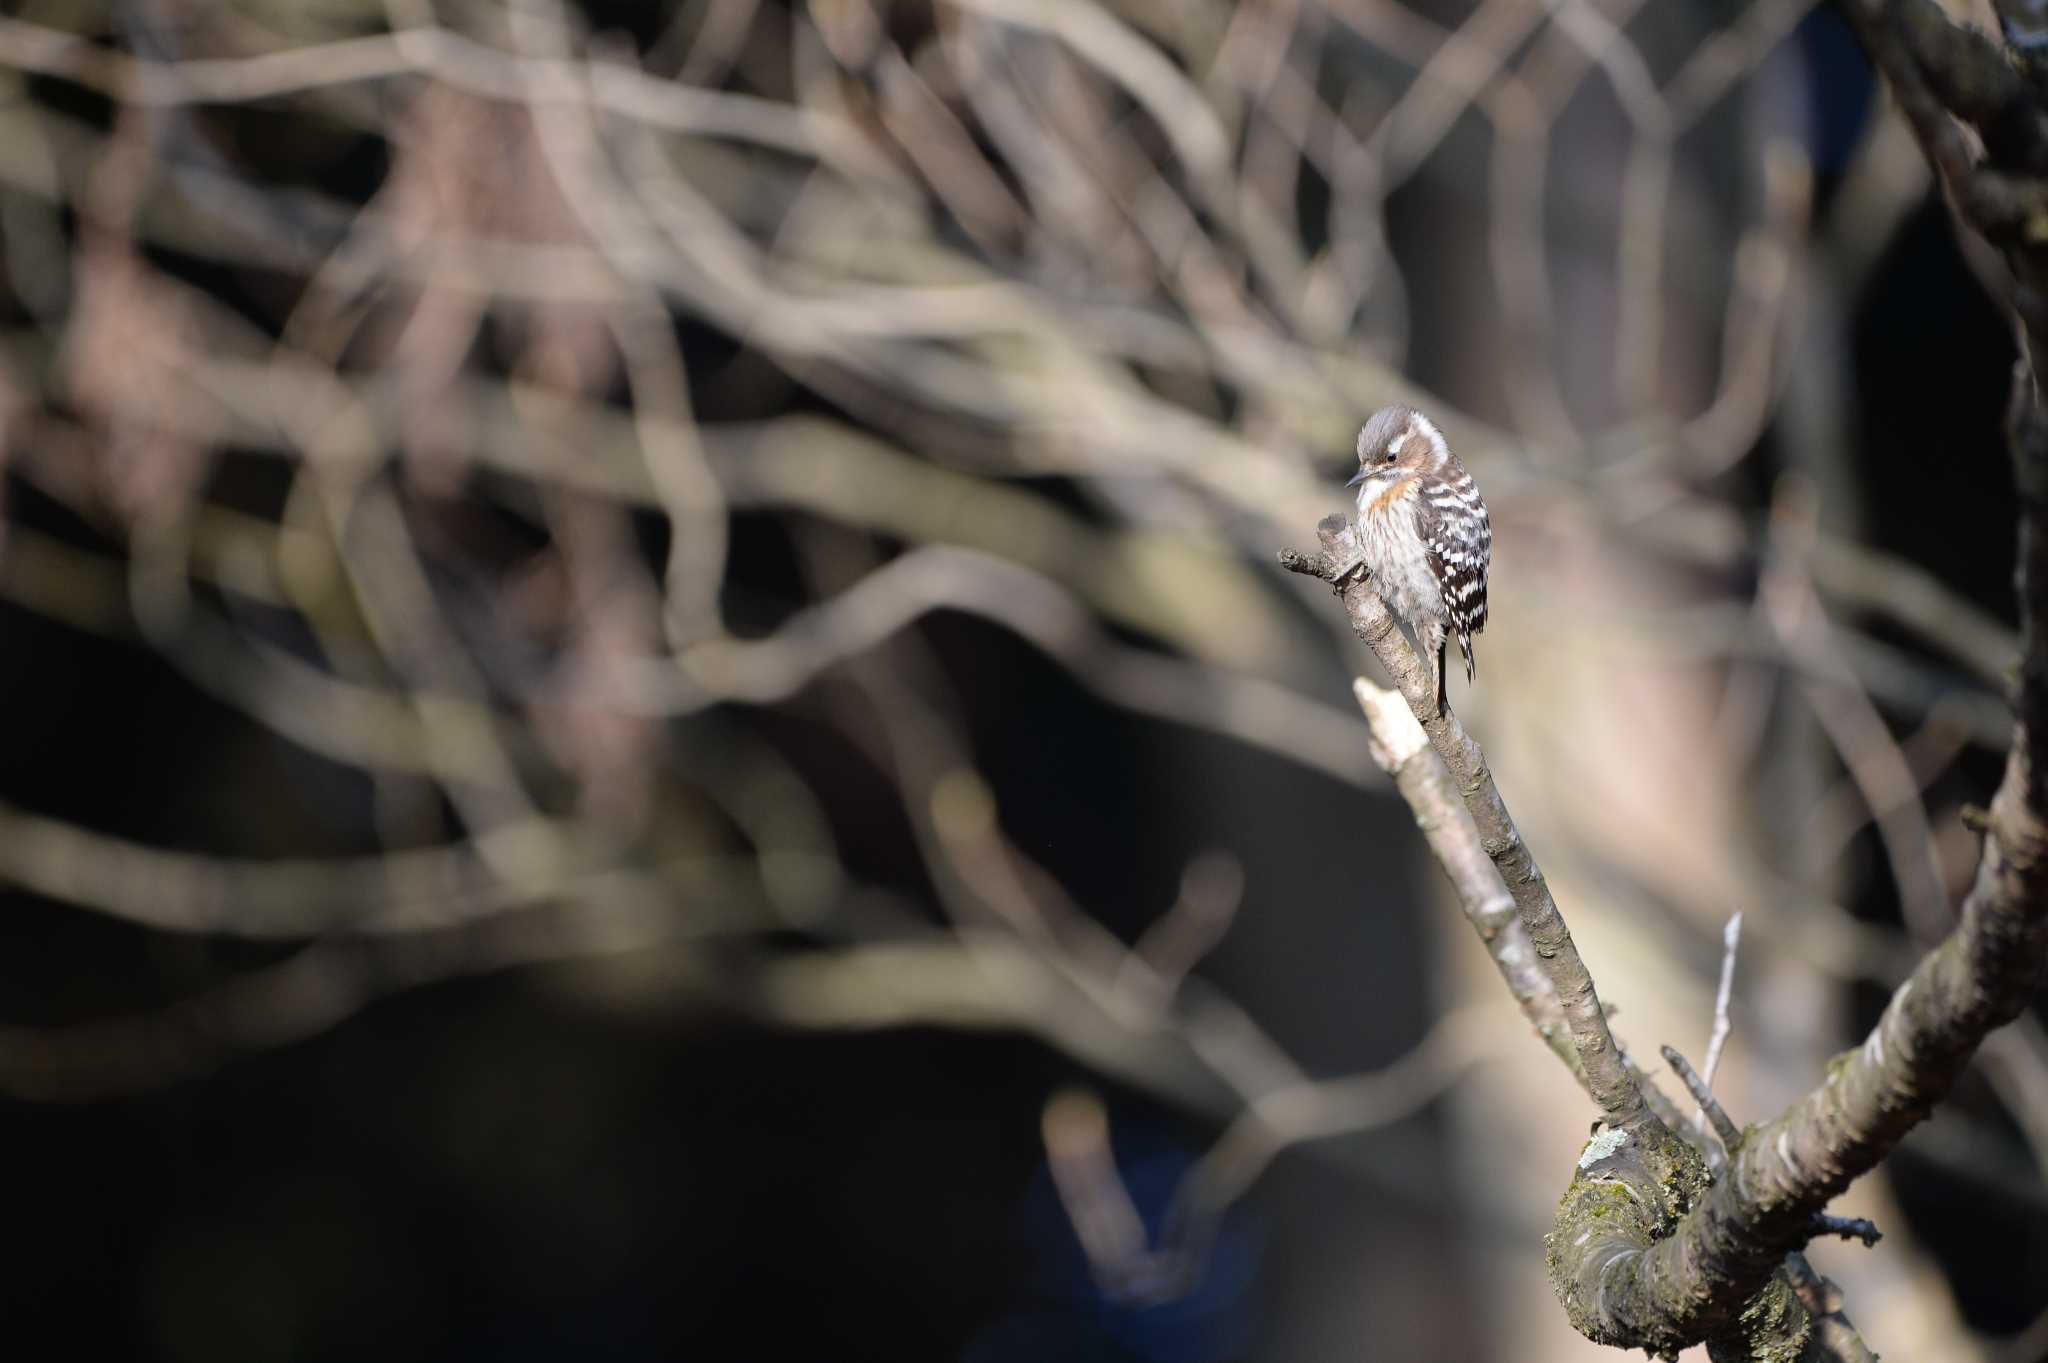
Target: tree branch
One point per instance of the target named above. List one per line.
(1644, 1279)
(1605, 1069)
(1703, 1094)
(1401, 749)
(1694, 1278)
(1648, 1251)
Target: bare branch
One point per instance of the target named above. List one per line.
(1703, 1094)
(1402, 751)
(1823, 1303)
(1849, 1228)
(1607, 1074)
(1731, 938)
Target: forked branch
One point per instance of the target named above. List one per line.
(1606, 1071)
(1650, 1252)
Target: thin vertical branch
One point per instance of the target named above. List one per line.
(1731, 938)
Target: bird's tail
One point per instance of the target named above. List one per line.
(1471, 663)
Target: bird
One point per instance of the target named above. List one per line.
(1423, 535)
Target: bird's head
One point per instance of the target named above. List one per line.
(1396, 442)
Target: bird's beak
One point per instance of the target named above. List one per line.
(1357, 477)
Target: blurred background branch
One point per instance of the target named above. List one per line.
(646, 683)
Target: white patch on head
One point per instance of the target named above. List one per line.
(1394, 445)
(1435, 437)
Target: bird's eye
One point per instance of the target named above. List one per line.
(1390, 455)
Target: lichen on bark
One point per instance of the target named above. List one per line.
(1630, 1189)
(1774, 1328)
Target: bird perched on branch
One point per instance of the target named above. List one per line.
(1423, 534)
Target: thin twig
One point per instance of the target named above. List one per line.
(1823, 1301)
(1731, 937)
(1849, 1228)
(1724, 1126)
